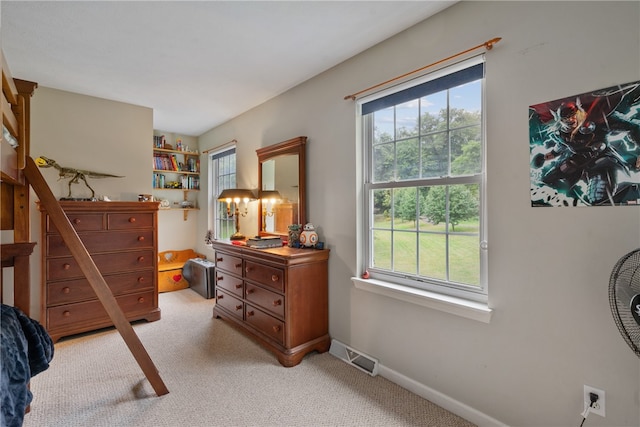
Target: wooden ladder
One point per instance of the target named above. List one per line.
(93, 275)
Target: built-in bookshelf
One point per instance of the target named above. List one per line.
(176, 170)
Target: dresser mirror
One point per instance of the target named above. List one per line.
(281, 184)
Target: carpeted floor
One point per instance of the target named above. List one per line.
(216, 377)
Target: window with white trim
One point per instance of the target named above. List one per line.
(222, 171)
(424, 183)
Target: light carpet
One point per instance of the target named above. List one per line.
(216, 376)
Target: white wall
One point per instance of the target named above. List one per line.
(85, 132)
(552, 331)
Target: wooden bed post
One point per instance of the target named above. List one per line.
(93, 275)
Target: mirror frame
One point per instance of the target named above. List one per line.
(292, 146)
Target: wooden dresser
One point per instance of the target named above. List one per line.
(279, 296)
(121, 238)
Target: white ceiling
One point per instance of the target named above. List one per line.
(197, 64)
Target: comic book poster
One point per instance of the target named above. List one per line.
(585, 149)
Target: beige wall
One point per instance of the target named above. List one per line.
(552, 331)
(85, 132)
(106, 136)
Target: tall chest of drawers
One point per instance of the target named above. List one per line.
(278, 296)
(121, 238)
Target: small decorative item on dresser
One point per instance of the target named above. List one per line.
(308, 237)
(294, 236)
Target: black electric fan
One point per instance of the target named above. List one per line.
(624, 298)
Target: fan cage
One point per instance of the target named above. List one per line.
(623, 285)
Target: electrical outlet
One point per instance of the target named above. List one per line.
(598, 407)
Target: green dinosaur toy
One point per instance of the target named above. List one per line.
(75, 174)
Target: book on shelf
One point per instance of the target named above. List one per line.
(159, 141)
(264, 242)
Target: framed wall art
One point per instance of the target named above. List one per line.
(585, 149)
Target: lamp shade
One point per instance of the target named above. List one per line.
(236, 193)
(270, 194)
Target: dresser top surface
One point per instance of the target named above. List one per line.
(73, 206)
(279, 252)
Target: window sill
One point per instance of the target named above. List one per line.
(458, 306)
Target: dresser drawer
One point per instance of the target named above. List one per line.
(230, 303)
(266, 324)
(269, 301)
(229, 263)
(67, 267)
(265, 275)
(80, 222)
(103, 242)
(229, 283)
(94, 312)
(75, 290)
(126, 221)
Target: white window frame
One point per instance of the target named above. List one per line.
(219, 181)
(466, 301)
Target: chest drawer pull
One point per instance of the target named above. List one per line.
(250, 313)
(277, 302)
(276, 328)
(140, 238)
(66, 266)
(77, 221)
(141, 300)
(140, 258)
(220, 296)
(220, 278)
(141, 279)
(275, 278)
(66, 313)
(249, 291)
(132, 219)
(219, 259)
(66, 290)
(238, 307)
(238, 285)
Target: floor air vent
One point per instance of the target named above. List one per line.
(355, 358)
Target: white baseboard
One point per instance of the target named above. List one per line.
(460, 409)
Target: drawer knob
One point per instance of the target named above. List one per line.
(132, 219)
(247, 269)
(276, 328)
(140, 238)
(141, 279)
(66, 313)
(66, 290)
(220, 278)
(77, 221)
(219, 259)
(141, 299)
(250, 313)
(238, 266)
(220, 296)
(277, 302)
(66, 266)
(250, 291)
(238, 307)
(275, 277)
(140, 258)
(238, 285)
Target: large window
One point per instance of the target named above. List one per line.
(223, 175)
(424, 183)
